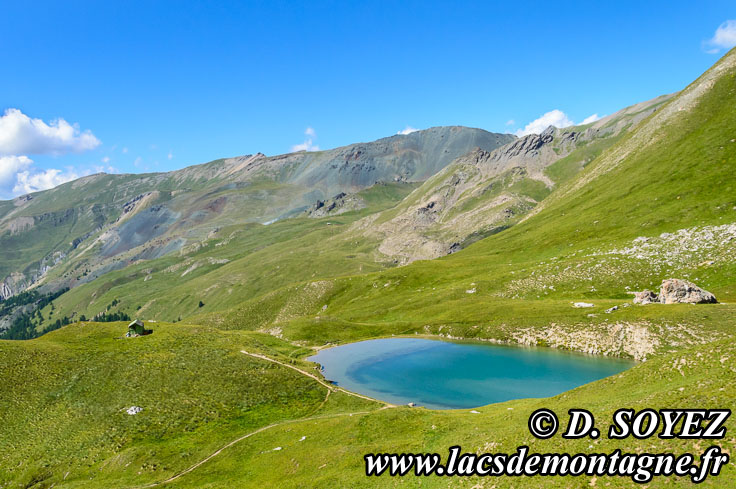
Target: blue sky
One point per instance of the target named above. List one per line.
(161, 86)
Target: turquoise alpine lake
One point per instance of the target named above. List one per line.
(455, 375)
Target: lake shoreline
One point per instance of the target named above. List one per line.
(442, 373)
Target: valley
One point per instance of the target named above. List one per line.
(246, 267)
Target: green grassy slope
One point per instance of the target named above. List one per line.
(65, 395)
(65, 425)
(332, 453)
(669, 181)
(482, 193)
(580, 246)
(86, 228)
(62, 214)
(240, 262)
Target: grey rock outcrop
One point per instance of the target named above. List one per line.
(5, 291)
(12, 285)
(646, 296)
(339, 204)
(675, 290)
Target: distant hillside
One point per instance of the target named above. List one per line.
(85, 228)
(657, 203)
(484, 192)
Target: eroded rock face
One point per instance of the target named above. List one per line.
(12, 285)
(646, 296)
(675, 290)
(339, 204)
(5, 291)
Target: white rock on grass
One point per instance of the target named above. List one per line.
(675, 290)
(582, 304)
(133, 410)
(644, 297)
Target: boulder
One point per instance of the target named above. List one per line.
(582, 304)
(675, 290)
(646, 296)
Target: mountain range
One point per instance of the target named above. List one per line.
(246, 266)
(473, 183)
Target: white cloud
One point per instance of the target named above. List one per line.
(106, 169)
(28, 182)
(407, 130)
(10, 166)
(138, 162)
(590, 119)
(125, 150)
(510, 122)
(724, 37)
(19, 134)
(18, 176)
(308, 144)
(170, 155)
(555, 118)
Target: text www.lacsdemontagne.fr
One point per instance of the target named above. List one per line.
(640, 467)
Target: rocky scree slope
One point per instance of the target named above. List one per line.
(485, 192)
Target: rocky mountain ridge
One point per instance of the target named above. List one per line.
(103, 222)
(484, 192)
